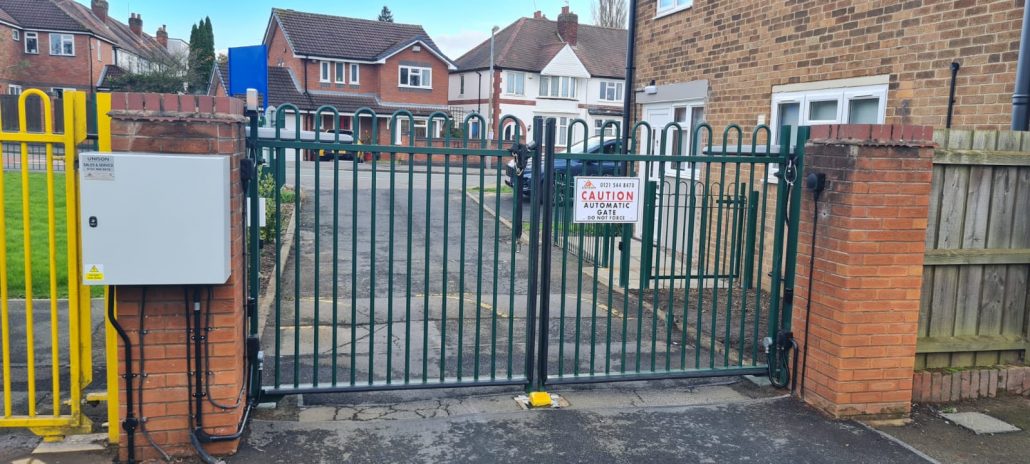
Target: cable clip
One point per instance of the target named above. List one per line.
(790, 172)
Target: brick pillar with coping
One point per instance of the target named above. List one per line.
(185, 124)
(870, 240)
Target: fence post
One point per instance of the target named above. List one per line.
(858, 338)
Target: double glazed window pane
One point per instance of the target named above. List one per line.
(789, 115)
(864, 111)
(822, 110)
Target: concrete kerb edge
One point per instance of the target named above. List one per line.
(522, 239)
(898, 442)
(269, 293)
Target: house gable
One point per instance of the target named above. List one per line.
(566, 63)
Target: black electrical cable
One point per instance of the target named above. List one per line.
(143, 374)
(130, 422)
(207, 361)
(811, 269)
(193, 415)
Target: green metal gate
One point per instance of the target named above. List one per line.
(412, 265)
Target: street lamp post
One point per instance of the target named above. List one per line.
(490, 106)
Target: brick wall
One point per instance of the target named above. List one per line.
(945, 386)
(388, 76)
(744, 48)
(868, 267)
(194, 125)
(44, 70)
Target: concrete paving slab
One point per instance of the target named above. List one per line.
(980, 423)
(74, 444)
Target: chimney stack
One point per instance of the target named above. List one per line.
(136, 24)
(568, 25)
(538, 15)
(162, 35)
(99, 8)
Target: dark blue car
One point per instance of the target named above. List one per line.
(567, 169)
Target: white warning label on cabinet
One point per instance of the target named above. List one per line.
(96, 167)
(606, 200)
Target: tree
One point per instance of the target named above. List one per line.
(164, 75)
(202, 55)
(386, 15)
(610, 13)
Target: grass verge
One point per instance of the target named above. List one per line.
(39, 226)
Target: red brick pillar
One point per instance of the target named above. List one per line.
(191, 125)
(868, 268)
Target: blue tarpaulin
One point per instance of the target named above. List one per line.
(248, 69)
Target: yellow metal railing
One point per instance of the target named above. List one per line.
(63, 415)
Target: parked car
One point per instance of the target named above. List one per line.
(346, 136)
(567, 169)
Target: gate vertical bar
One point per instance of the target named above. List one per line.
(545, 255)
(534, 256)
(792, 231)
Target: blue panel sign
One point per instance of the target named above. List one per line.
(248, 69)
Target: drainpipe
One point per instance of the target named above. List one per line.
(628, 93)
(1021, 94)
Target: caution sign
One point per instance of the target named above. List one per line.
(96, 167)
(606, 200)
(94, 272)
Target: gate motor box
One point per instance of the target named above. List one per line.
(154, 219)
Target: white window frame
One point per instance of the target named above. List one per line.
(13, 89)
(512, 81)
(354, 73)
(687, 139)
(15, 35)
(619, 88)
(599, 123)
(804, 98)
(34, 37)
(338, 70)
(100, 56)
(674, 6)
(566, 85)
(61, 41)
(324, 71)
(421, 71)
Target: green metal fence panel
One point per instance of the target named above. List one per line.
(420, 269)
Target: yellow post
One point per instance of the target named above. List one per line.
(110, 340)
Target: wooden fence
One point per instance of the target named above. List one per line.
(974, 309)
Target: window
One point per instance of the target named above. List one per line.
(609, 131)
(417, 77)
(671, 6)
(62, 44)
(611, 91)
(461, 84)
(563, 131)
(847, 105)
(58, 92)
(557, 86)
(324, 75)
(516, 83)
(32, 43)
(355, 73)
(509, 132)
(688, 117)
(100, 57)
(14, 89)
(15, 34)
(340, 75)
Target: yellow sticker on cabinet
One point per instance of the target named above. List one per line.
(94, 272)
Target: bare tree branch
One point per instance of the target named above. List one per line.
(610, 13)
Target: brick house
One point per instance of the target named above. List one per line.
(559, 69)
(350, 63)
(56, 45)
(819, 62)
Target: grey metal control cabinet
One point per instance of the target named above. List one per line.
(154, 219)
